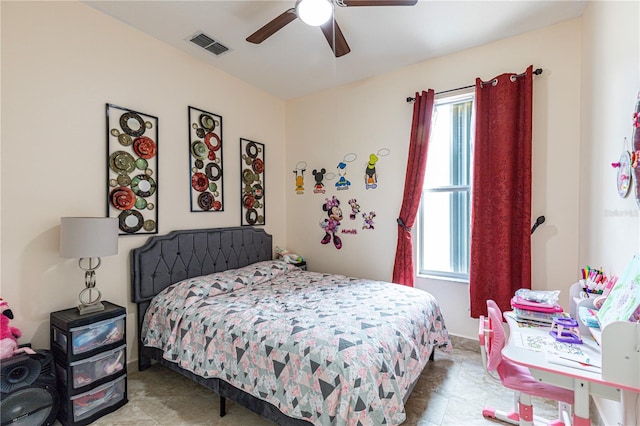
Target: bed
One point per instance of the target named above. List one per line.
(295, 347)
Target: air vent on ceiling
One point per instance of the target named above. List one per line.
(207, 43)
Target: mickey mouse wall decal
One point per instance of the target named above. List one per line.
(319, 177)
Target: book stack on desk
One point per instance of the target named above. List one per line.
(588, 316)
(623, 302)
(535, 312)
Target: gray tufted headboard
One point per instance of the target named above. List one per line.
(166, 259)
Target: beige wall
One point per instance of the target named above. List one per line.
(609, 225)
(365, 116)
(61, 62)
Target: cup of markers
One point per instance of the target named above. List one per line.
(595, 283)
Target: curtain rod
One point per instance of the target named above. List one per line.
(538, 71)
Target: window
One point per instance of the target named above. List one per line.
(445, 209)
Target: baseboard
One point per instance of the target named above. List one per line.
(464, 343)
(132, 366)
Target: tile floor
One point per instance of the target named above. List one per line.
(451, 391)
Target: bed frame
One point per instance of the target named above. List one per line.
(166, 259)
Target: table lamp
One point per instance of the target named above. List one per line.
(89, 238)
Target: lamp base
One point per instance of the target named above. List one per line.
(89, 309)
(90, 296)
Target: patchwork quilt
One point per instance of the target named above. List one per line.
(328, 349)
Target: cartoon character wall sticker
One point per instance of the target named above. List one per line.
(318, 175)
(370, 172)
(355, 208)
(331, 223)
(370, 175)
(368, 220)
(332, 215)
(342, 183)
(301, 167)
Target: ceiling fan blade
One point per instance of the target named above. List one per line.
(341, 47)
(273, 26)
(349, 3)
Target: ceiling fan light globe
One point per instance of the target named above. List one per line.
(314, 12)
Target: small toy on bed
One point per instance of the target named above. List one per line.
(288, 256)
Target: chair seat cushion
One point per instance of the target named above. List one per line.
(519, 378)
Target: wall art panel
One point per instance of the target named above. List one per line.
(252, 197)
(205, 161)
(132, 170)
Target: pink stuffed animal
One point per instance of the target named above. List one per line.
(9, 335)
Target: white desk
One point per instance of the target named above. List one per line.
(584, 383)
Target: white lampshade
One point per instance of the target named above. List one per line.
(85, 237)
(314, 12)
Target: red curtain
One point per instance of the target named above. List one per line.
(420, 129)
(501, 208)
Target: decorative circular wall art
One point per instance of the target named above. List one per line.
(252, 166)
(205, 161)
(132, 170)
(635, 149)
(623, 175)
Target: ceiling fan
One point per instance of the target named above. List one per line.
(322, 17)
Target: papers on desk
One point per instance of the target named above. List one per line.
(527, 322)
(547, 344)
(570, 362)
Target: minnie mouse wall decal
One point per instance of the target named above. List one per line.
(331, 223)
(355, 208)
(368, 220)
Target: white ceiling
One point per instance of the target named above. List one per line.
(297, 60)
